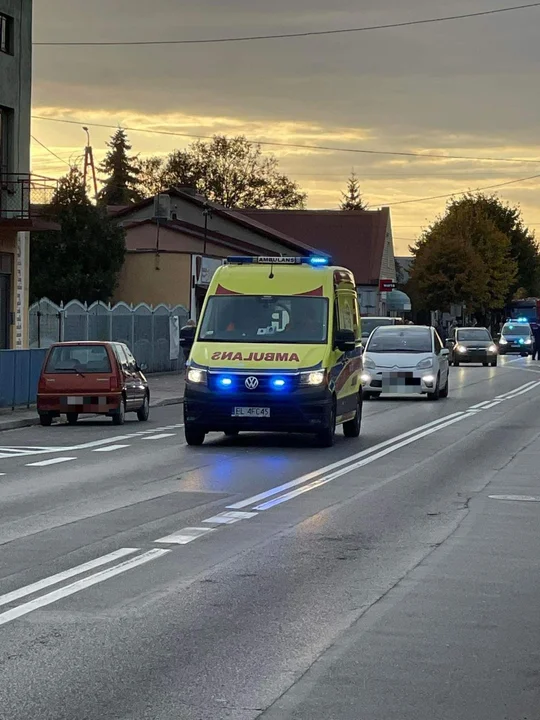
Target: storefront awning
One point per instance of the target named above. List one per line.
(397, 301)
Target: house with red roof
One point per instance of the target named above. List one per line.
(176, 241)
(360, 240)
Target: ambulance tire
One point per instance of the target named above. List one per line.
(351, 428)
(194, 435)
(326, 437)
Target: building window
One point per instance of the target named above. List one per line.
(6, 134)
(6, 34)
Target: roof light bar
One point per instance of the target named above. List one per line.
(314, 260)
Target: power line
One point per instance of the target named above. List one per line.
(313, 33)
(293, 145)
(463, 192)
(49, 150)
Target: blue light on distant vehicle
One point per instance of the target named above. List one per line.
(278, 383)
(522, 319)
(521, 341)
(318, 261)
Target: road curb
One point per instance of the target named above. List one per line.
(17, 423)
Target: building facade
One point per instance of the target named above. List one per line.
(176, 241)
(15, 103)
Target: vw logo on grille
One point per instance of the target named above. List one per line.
(251, 383)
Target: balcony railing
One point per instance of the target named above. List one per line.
(23, 195)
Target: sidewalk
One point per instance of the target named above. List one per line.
(458, 637)
(165, 389)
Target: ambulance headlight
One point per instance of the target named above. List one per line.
(312, 378)
(197, 376)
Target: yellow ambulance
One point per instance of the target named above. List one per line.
(278, 348)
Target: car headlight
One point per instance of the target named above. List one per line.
(369, 364)
(461, 349)
(503, 341)
(528, 341)
(312, 378)
(492, 349)
(424, 364)
(366, 378)
(197, 376)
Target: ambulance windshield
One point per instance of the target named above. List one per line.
(265, 319)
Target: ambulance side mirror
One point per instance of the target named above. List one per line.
(345, 340)
(187, 336)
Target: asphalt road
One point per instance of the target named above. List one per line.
(262, 577)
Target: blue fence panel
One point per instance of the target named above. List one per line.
(19, 376)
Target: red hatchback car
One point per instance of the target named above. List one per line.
(91, 377)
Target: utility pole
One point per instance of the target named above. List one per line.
(89, 164)
(207, 212)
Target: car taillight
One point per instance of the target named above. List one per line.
(113, 383)
(42, 385)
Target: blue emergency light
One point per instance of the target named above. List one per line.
(313, 260)
(225, 382)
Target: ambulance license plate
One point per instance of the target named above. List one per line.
(251, 412)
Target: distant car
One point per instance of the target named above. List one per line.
(472, 345)
(91, 377)
(369, 323)
(516, 339)
(405, 359)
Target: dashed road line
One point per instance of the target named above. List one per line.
(51, 461)
(159, 437)
(228, 518)
(185, 536)
(110, 448)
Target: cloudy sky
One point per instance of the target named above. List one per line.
(466, 87)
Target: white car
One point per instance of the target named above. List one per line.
(405, 359)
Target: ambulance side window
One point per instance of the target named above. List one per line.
(346, 319)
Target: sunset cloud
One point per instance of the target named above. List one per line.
(462, 89)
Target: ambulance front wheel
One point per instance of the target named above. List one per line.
(351, 428)
(193, 434)
(325, 438)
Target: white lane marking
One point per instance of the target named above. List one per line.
(2, 474)
(479, 405)
(110, 448)
(159, 437)
(51, 461)
(521, 388)
(89, 445)
(309, 476)
(228, 518)
(65, 575)
(517, 498)
(522, 392)
(79, 585)
(185, 536)
(349, 468)
(492, 405)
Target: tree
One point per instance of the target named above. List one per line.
(83, 260)
(352, 199)
(465, 228)
(524, 248)
(447, 271)
(120, 186)
(230, 171)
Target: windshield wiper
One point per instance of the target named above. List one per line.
(73, 370)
